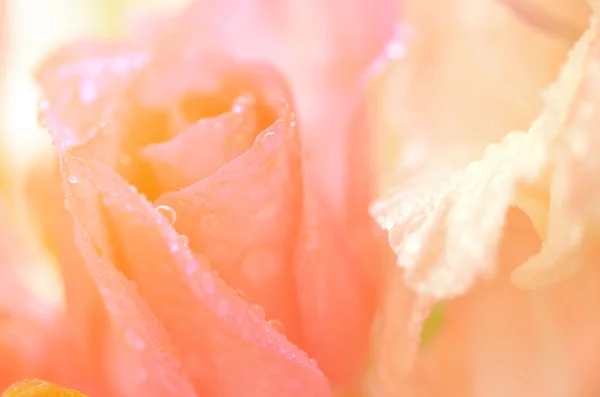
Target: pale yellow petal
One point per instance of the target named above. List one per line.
(448, 235)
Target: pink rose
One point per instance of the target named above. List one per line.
(204, 249)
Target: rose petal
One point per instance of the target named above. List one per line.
(35, 339)
(86, 316)
(255, 95)
(250, 242)
(339, 265)
(323, 81)
(322, 64)
(308, 377)
(220, 343)
(140, 359)
(226, 347)
(329, 277)
(201, 149)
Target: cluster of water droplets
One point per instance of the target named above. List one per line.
(206, 284)
(252, 323)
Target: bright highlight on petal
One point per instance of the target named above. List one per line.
(39, 388)
(447, 235)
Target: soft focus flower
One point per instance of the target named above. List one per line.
(203, 248)
(474, 217)
(208, 208)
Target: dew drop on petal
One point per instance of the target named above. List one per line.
(277, 325)
(168, 212)
(271, 140)
(76, 173)
(257, 313)
(184, 240)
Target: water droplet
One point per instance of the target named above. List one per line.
(293, 355)
(312, 362)
(271, 140)
(243, 102)
(184, 240)
(207, 282)
(257, 313)
(277, 325)
(168, 212)
(76, 172)
(282, 349)
(134, 340)
(175, 247)
(293, 123)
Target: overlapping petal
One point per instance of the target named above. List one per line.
(323, 67)
(450, 229)
(269, 214)
(225, 345)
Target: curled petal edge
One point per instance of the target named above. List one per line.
(447, 235)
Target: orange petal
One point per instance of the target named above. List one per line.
(86, 317)
(218, 334)
(140, 359)
(244, 217)
(322, 67)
